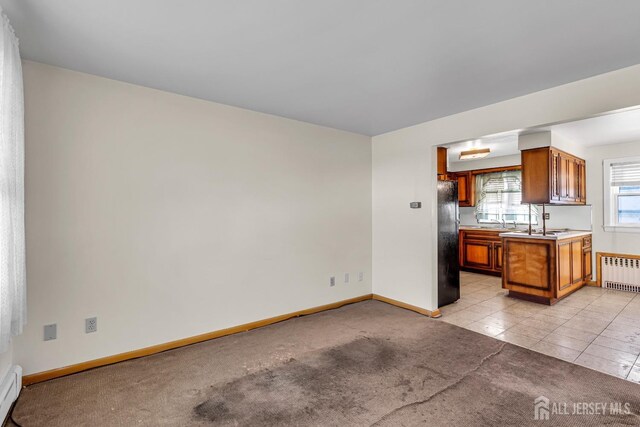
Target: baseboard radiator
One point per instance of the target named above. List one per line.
(9, 390)
(620, 272)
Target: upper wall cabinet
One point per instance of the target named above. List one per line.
(552, 176)
(442, 163)
(466, 188)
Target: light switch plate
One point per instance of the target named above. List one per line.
(50, 332)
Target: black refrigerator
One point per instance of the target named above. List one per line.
(448, 265)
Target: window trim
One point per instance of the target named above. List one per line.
(611, 199)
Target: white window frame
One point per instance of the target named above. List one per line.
(611, 199)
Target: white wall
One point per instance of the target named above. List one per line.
(404, 240)
(168, 216)
(572, 217)
(624, 243)
(539, 139)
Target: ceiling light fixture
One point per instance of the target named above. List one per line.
(475, 154)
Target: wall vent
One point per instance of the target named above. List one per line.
(620, 272)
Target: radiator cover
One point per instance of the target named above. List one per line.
(620, 272)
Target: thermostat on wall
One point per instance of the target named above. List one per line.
(415, 205)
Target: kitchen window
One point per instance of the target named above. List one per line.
(622, 194)
(500, 199)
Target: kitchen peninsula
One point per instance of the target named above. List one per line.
(545, 268)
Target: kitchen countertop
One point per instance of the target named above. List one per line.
(557, 235)
(477, 228)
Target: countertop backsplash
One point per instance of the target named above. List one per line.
(570, 217)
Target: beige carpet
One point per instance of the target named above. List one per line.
(364, 364)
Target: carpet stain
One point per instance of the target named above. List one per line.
(297, 391)
(389, 382)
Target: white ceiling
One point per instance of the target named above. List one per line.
(368, 66)
(613, 128)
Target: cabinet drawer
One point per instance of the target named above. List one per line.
(492, 237)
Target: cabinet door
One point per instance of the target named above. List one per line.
(442, 162)
(588, 266)
(497, 257)
(564, 265)
(570, 175)
(564, 181)
(477, 254)
(577, 261)
(582, 182)
(465, 189)
(556, 179)
(463, 184)
(573, 180)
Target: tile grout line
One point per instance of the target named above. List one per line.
(609, 324)
(638, 357)
(565, 321)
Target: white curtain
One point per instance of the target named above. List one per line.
(13, 306)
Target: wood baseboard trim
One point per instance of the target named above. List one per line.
(434, 314)
(147, 351)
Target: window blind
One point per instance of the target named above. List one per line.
(500, 198)
(625, 174)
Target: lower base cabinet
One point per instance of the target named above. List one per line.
(481, 251)
(545, 270)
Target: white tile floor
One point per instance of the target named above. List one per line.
(594, 327)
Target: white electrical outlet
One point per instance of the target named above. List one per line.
(360, 276)
(346, 277)
(91, 325)
(332, 281)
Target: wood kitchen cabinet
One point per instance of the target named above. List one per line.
(466, 190)
(552, 176)
(481, 251)
(588, 260)
(497, 256)
(570, 263)
(546, 270)
(442, 163)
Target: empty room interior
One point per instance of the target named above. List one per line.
(248, 213)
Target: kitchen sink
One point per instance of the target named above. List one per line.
(554, 232)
